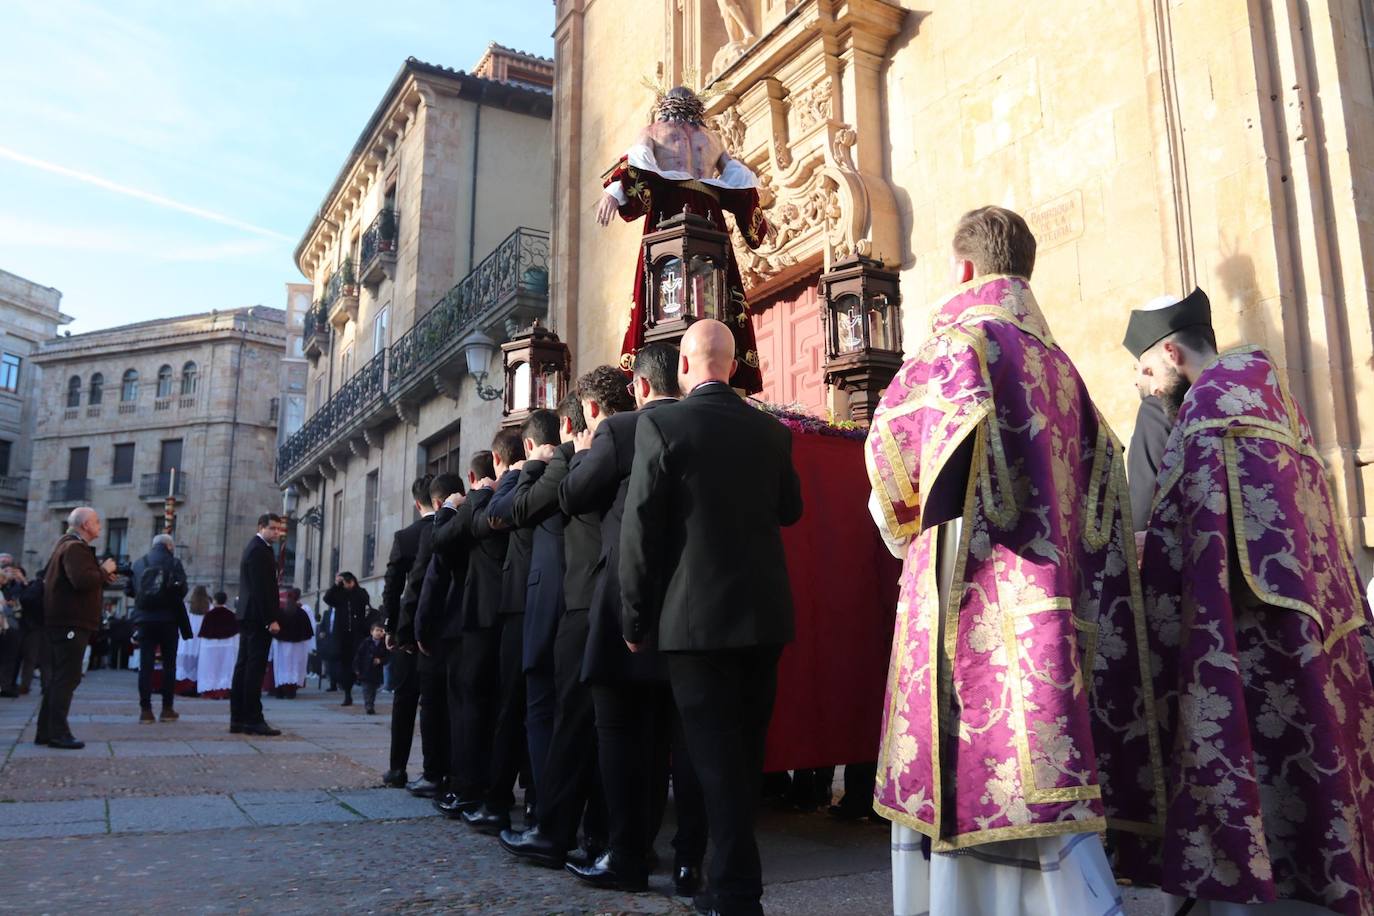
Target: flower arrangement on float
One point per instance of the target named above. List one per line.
(796, 418)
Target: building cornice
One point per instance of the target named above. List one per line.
(265, 326)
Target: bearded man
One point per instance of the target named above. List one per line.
(1016, 722)
(1255, 622)
(677, 164)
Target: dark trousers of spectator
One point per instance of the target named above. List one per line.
(11, 645)
(635, 725)
(151, 638)
(343, 673)
(245, 695)
(540, 705)
(509, 752)
(31, 655)
(61, 674)
(572, 785)
(404, 703)
(479, 683)
(370, 695)
(726, 700)
(435, 737)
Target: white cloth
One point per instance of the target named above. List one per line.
(215, 664)
(736, 176)
(1047, 876)
(1217, 908)
(289, 661)
(188, 650)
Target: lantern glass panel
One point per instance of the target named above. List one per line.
(849, 319)
(880, 330)
(707, 288)
(670, 290)
(547, 393)
(520, 383)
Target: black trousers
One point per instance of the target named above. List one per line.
(343, 673)
(245, 695)
(11, 648)
(572, 785)
(61, 675)
(726, 700)
(34, 649)
(405, 700)
(509, 753)
(435, 716)
(151, 637)
(635, 728)
(479, 686)
(540, 705)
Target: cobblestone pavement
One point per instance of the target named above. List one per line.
(184, 817)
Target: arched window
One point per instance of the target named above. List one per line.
(97, 388)
(128, 391)
(74, 391)
(188, 379)
(164, 382)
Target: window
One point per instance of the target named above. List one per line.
(160, 525)
(5, 457)
(441, 453)
(370, 507)
(346, 364)
(123, 463)
(97, 389)
(319, 393)
(128, 390)
(188, 379)
(164, 382)
(117, 537)
(74, 391)
(78, 462)
(273, 408)
(337, 535)
(297, 346)
(379, 330)
(9, 371)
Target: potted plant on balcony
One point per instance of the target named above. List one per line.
(349, 282)
(386, 231)
(535, 280)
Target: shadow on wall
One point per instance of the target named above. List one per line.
(1236, 271)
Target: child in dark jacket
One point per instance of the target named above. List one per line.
(369, 664)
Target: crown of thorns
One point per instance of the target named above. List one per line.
(682, 108)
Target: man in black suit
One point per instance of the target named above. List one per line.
(634, 707)
(405, 546)
(702, 572)
(438, 636)
(259, 610)
(573, 783)
(473, 676)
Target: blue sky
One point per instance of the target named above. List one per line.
(163, 158)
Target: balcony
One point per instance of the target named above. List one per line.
(69, 492)
(315, 331)
(154, 487)
(509, 288)
(341, 295)
(378, 258)
(14, 490)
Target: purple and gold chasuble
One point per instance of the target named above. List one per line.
(1255, 623)
(1020, 708)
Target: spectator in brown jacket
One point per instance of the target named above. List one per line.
(73, 589)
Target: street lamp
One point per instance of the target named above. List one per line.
(538, 368)
(863, 341)
(478, 349)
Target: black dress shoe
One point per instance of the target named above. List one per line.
(484, 820)
(235, 728)
(455, 806)
(40, 742)
(262, 729)
(529, 814)
(607, 872)
(423, 788)
(705, 903)
(533, 846)
(395, 779)
(584, 856)
(66, 744)
(687, 880)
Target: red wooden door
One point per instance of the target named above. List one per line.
(790, 343)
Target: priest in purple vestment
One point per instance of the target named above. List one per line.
(1015, 724)
(1256, 618)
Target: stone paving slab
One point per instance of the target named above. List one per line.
(151, 749)
(285, 745)
(26, 749)
(308, 813)
(196, 812)
(60, 812)
(34, 831)
(315, 796)
(382, 804)
(218, 748)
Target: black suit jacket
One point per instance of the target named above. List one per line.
(259, 600)
(599, 485)
(536, 504)
(1152, 428)
(467, 529)
(441, 596)
(410, 598)
(515, 571)
(581, 543)
(405, 543)
(701, 556)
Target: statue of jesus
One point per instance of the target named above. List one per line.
(677, 163)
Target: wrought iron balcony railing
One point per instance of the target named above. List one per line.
(156, 486)
(378, 239)
(341, 283)
(519, 264)
(69, 492)
(348, 403)
(315, 330)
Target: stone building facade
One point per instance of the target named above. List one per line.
(29, 315)
(119, 409)
(295, 368)
(1152, 145)
(429, 250)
